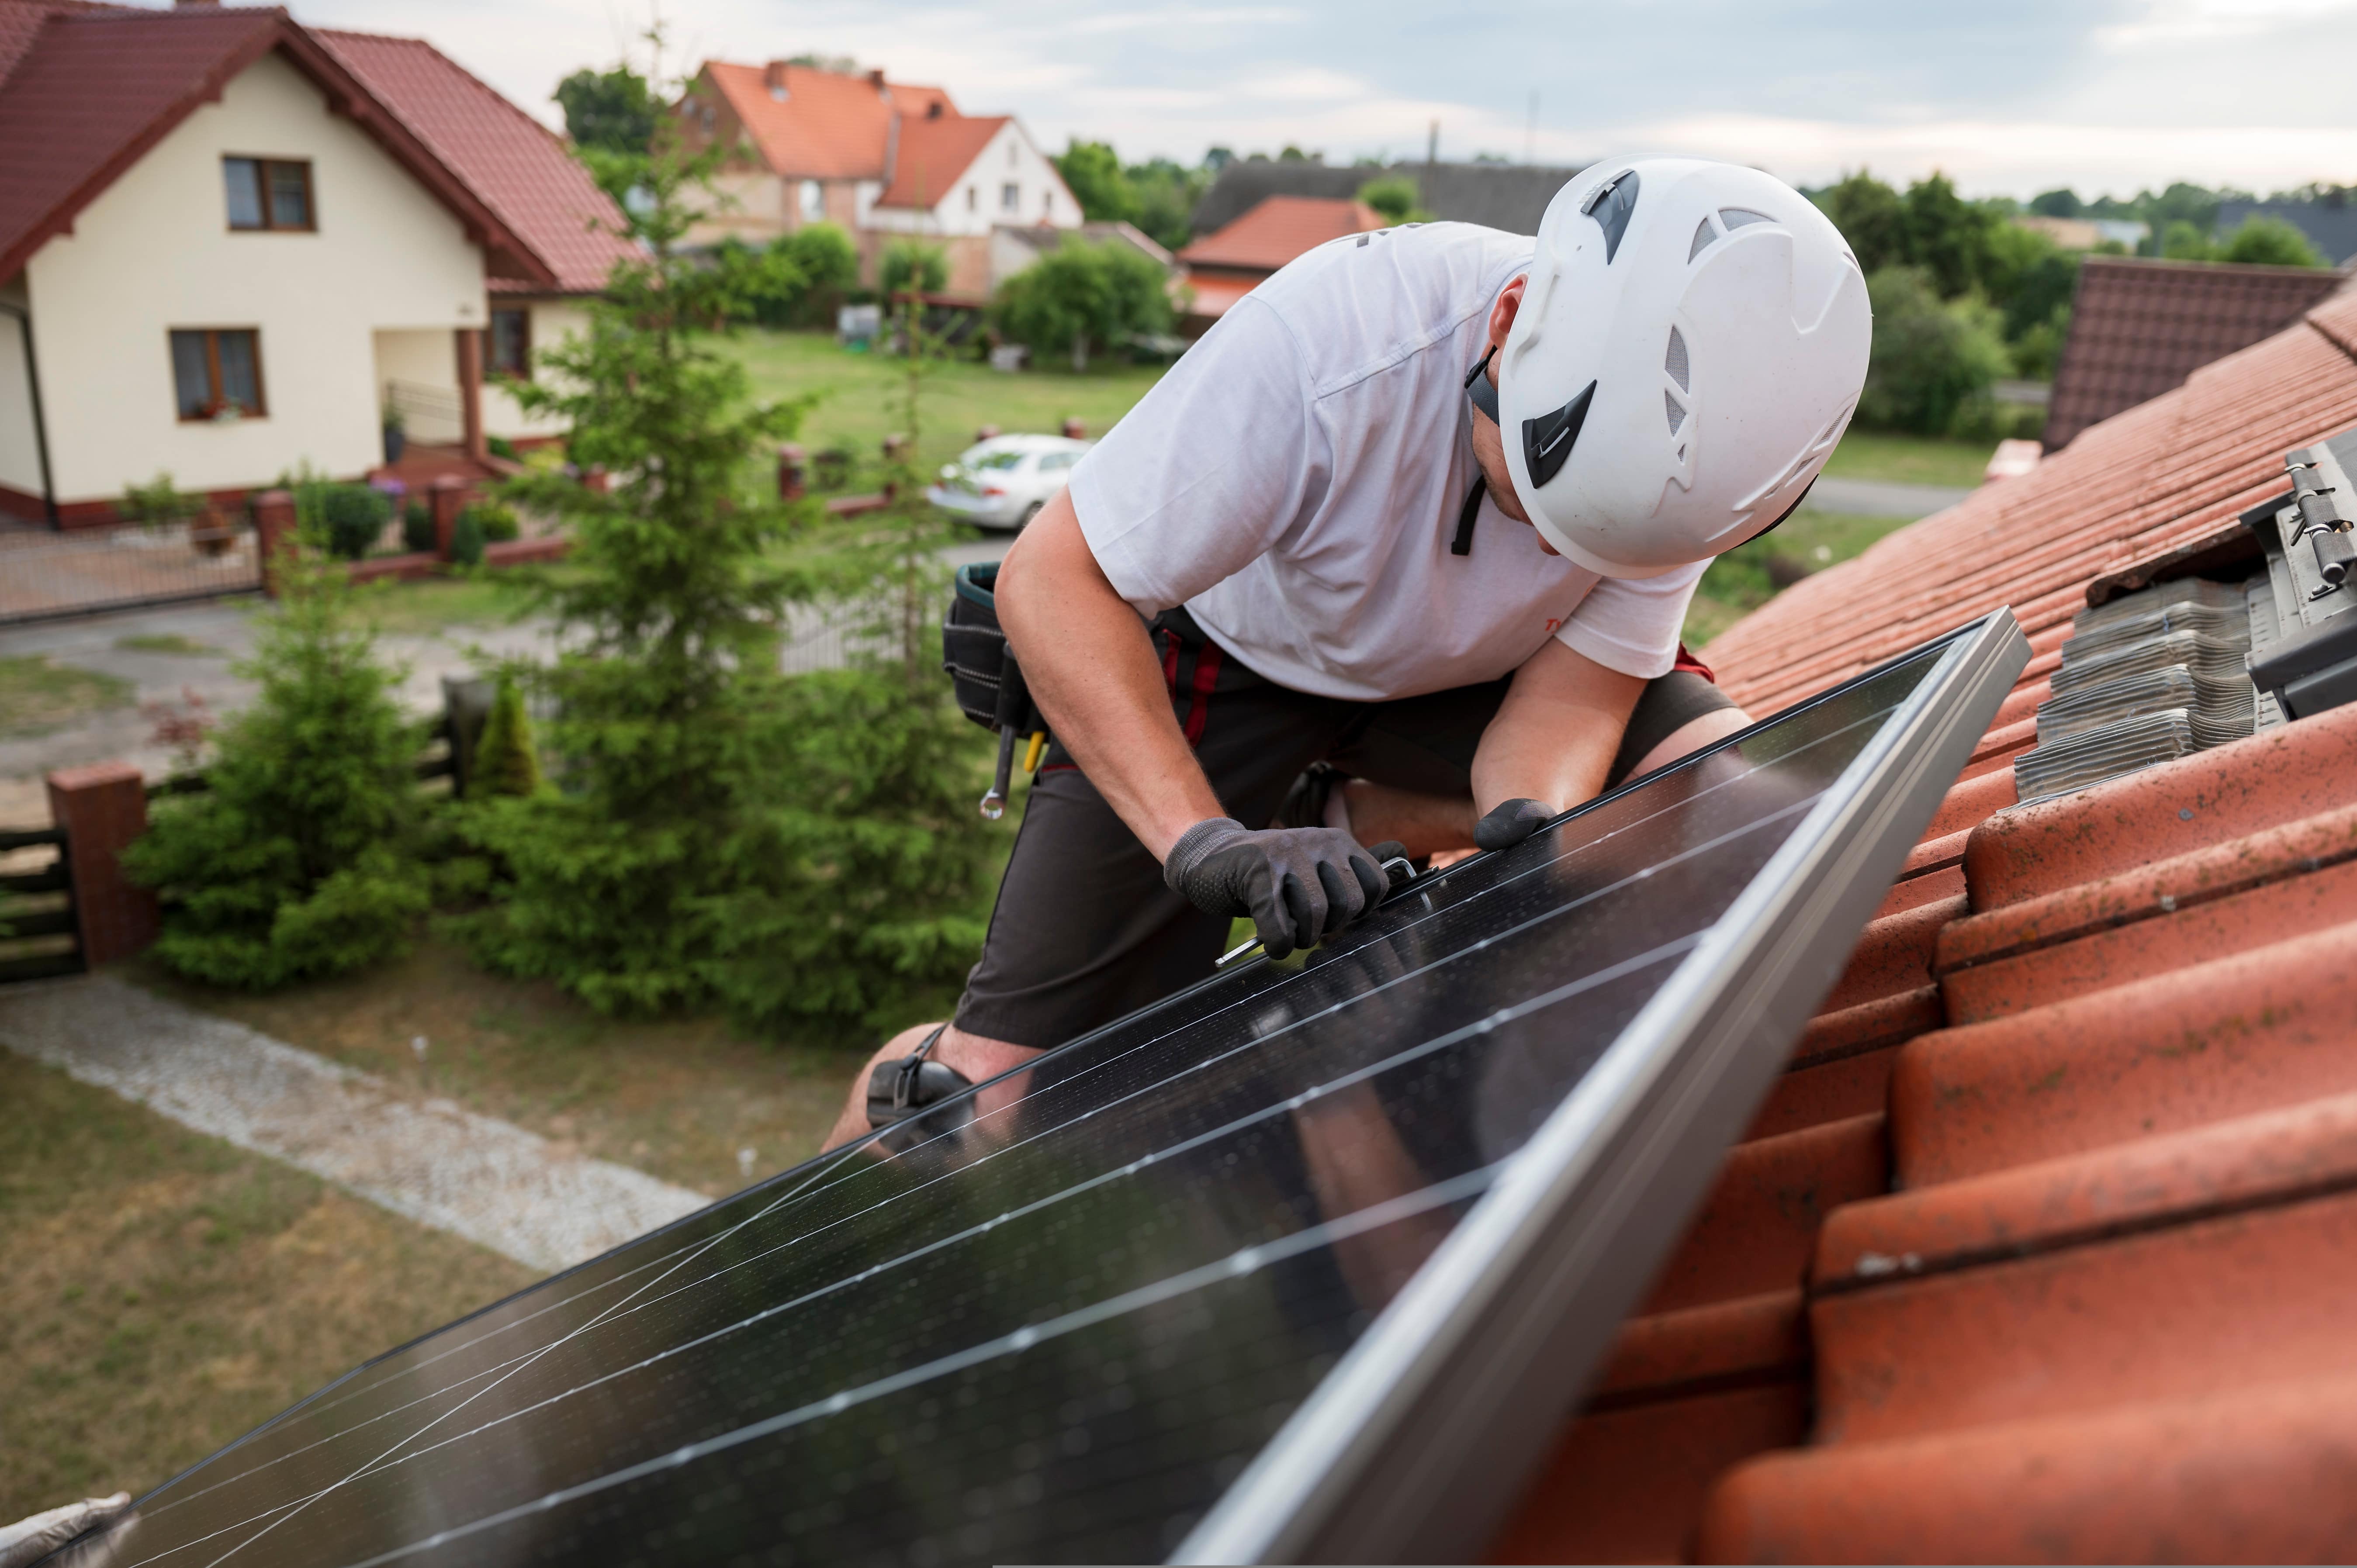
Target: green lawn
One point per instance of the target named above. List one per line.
(167, 1292)
(1909, 459)
(36, 695)
(1740, 580)
(860, 395)
(170, 642)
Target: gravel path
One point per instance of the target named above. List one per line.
(429, 1160)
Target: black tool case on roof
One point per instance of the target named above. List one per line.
(2305, 660)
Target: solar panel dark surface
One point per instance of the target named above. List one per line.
(1059, 1319)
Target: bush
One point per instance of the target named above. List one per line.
(912, 264)
(500, 446)
(353, 516)
(158, 502)
(507, 757)
(497, 521)
(1080, 295)
(1932, 364)
(467, 539)
(297, 863)
(1395, 198)
(2271, 241)
(417, 529)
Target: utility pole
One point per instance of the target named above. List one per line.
(1432, 146)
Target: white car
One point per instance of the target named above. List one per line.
(1003, 482)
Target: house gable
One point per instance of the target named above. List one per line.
(95, 91)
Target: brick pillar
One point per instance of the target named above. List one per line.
(102, 808)
(595, 479)
(986, 433)
(447, 495)
(471, 392)
(273, 531)
(1075, 430)
(791, 470)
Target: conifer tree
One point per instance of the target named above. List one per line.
(298, 861)
(507, 756)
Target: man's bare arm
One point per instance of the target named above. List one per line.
(1090, 666)
(1555, 736)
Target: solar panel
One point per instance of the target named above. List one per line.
(1303, 1262)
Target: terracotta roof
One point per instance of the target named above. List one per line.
(932, 154)
(2139, 327)
(520, 170)
(95, 89)
(1278, 228)
(2042, 1248)
(829, 124)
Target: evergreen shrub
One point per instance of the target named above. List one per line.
(352, 517)
(298, 861)
(417, 529)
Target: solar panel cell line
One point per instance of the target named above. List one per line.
(1100, 1307)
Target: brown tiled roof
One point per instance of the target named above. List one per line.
(511, 161)
(1279, 228)
(2044, 1246)
(829, 126)
(932, 154)
(2140, 327)
(95, 88)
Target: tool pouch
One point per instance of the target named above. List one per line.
(982, 670)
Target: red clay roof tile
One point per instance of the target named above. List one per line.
(509, 159)
(2094, 1081)
(1277, 229)
(827, 124)
(932, 154)
(2140, 327)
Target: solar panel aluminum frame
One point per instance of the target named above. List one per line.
(1423, 1437)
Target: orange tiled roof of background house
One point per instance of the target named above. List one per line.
(829, 126)
(1278, 228)
(2044, 1244)
(2140, 327)
(932, 154)
(510, 159)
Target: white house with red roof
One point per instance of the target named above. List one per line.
(228, 244)
(883, 159)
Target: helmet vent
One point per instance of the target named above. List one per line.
(1613, 204)
(1703, 235)
(1736, 216)
(1677, 413)
(1677, 363)
(1547, 440)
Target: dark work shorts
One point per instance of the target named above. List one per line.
(1084, 931)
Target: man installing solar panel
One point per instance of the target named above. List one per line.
(1396, 557)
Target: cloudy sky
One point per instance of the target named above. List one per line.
(2009, 96)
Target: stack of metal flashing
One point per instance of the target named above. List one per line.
(2147, 677)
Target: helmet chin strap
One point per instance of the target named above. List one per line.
(1479, 388)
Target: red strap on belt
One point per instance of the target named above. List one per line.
(1693, 666)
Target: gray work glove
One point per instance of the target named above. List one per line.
(1511, 823)
(1299, 884)
(30, 1540)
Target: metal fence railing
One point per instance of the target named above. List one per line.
(46, 575)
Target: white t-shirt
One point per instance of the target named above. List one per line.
(1294, 481)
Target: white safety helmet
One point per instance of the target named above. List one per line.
(1689, 350)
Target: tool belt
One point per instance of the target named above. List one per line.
(985, 680)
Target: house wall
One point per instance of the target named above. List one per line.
(553, 321)
(20, 452)
(976, 201)
(155, 252)
(752, 204)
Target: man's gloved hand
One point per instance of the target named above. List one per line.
(1299, 884)
(29, 1540)
(1511, 823)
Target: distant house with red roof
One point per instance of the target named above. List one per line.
(1230, 262)
(230, 244)
(883, 159)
